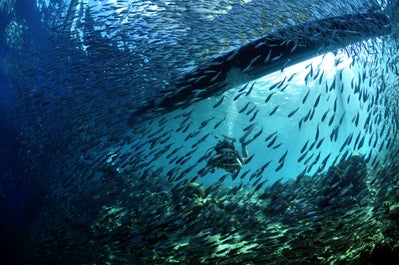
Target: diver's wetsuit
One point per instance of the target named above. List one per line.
(227, 157)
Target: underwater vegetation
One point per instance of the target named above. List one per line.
(206, 132)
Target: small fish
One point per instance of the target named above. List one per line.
(249, 127)
(277, 57)
(251, 63)
(282, 82)
(334, 133)
(253, 116)
(366, 123)
(269, 97)
(186, 114)
(317, 73)
(332, 84)
(331, 120)
(300, 123)
(312, 145)
(317, 101)
(205, 123)
(163, 141)
(324, 162)
(199, 79)
(341, 119)
(274, 86)
(155, 133)
(219, 122)
(312, 114)
(254, 175)
(370, 140)
(202, 139)
(265, 165)
(244, 108)
(204, 157)
(244, 174)
(273, 111)
(375, 141)
(309, 74)
(335, 104)
(203, 171)
(319, 143)
(180, 128)
(321, 77)
(324, 115)
(187, 127)
(305, 97)
(343, 145)
(293, 112)
(260, 44)
(254, 137)
(162, 121)
(382, 129)
(250, 89)
(308, 159)
(218, 103)
(290, 78)
(285, 64)
(249, 159)
(316, 159)
(250, 111)
(294, 47)
(248, 130)
(222, 178)
(346, 189)
(304, 146)
(216, 76)
(349, 138)
(282, 158)
(238, 96)
(260, 185)
(270, 136)
(302, 157)
(192, 134)
(267, 59)
(283, 88)
(184, 160)
(272, 141)
(279, 167)
(361, 142)
(243, 88)
(174, 151)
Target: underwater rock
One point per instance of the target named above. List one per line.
(189, 196)
(384, 254)
(189, 190)
(346, 180)
(393, 211)
(196, 190)
(201, 246)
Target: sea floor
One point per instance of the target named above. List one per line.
(348, 215)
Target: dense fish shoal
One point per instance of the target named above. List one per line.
(268, 54)
(317, 138)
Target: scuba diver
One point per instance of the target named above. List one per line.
(226, 156)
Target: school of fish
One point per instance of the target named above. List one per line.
(319, 185)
